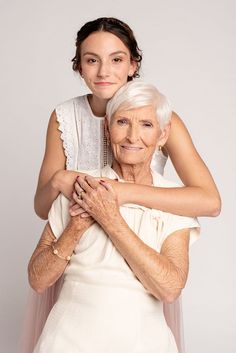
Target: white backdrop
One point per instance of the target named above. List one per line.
(189, 54)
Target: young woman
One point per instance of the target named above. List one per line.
(107, 56)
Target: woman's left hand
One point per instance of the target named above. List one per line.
(98, 199)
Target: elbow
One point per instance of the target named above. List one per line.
(170, 291)
(214, 207)
(37, 289)
(41, 215)
(35, 285)
(167, 295)
(34, 282)
(171, 296)
(39, 212)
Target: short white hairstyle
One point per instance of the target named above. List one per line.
(137, 94)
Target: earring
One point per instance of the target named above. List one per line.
(159, 148)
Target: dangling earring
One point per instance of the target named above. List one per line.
(159, 148)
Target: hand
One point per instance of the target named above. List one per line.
(121, 190)
(64, 180)
(98, 199)
(76, 210)
(81, 224)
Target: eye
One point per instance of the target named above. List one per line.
(91, 60)
(117, 60)
(147, 124)
(122, 122)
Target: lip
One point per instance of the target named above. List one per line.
(103, 83)
(132, 148)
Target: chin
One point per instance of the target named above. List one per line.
(104, 95)
(105, 92)
(131, 161)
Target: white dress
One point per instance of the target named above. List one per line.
(103, 307)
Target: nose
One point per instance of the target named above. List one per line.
(133, 133)
(103, 70)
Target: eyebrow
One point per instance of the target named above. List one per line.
(146, 120)
(114, 53)
(141, 120)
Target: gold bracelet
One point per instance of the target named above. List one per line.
(56, 252)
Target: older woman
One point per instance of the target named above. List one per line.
(121, 263)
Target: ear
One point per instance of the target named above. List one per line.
(133, 68)
(164, 135)
(80, 71)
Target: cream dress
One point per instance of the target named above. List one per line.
(103, 307)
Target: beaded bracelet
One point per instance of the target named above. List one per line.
(56, 252)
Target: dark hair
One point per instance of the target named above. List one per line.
(116, 27)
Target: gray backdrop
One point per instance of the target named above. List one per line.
(189, 53)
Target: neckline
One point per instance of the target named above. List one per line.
(90, 109)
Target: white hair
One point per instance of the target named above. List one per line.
(137, 94)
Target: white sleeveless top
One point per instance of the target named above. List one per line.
(84, 139)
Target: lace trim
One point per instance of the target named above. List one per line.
(66, 136)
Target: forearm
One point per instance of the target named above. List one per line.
(200, 196)
(155, 271)
(45, 267)
(190, 201)
(62, 181)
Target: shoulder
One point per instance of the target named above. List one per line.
(70, 103)
(178, 132)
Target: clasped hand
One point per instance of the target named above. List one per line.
(95, 198)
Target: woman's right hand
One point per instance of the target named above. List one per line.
(81, 223)
(64, 180)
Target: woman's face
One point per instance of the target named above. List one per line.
(134, 135)
(105, 63)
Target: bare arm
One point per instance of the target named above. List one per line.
(164, 274)
(199, 197)
(52, 178)
(45, 267)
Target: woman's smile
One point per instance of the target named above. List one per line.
(103, 83)
(132, 148)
